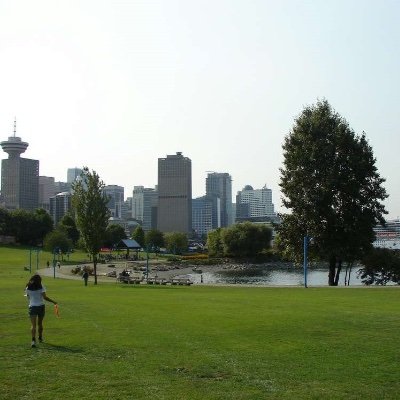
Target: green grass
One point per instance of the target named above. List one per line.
(125, 342)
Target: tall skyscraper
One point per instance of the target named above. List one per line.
(144, 206)
(19, 176)
(60, 205)
(219, 188)
(252, 204)
(174, 194)
(72, 174)
(47, 189)
(202, 215)
(116, 201)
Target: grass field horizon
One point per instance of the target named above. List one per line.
(117, 341)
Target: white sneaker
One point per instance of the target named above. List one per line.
(33, 344)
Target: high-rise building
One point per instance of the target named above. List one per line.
(19, 176)
(144, 206)
(61, 187)
(116, 199)
(60, 205)
(72, 174)
(202, 215)
(47, 190)
(254, 204)
(174, 194)
(219, 188)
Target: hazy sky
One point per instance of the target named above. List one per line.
(115, 85)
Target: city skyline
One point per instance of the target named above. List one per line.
(114, 86)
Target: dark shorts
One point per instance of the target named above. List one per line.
(37, 310)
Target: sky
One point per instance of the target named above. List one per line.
(115, 85)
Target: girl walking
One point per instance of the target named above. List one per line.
(36, 294)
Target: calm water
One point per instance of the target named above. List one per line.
(292, 276)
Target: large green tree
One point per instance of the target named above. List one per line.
(138, 235)
(154, 239)
(331, 187)
(68, 224)
(246, 239)
(114, 234)
(29, 227)
(176, 242)
(90, 205)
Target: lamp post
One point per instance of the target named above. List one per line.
(305, 260)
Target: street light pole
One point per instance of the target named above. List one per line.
(305, 261)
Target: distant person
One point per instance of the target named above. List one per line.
(85, 277)
(48, 264)
(58, 264)
(36, 294)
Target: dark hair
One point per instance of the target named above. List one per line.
(35, 283)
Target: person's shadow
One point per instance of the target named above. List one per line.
(57, 348)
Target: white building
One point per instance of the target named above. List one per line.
(254, 203)
(144, 206)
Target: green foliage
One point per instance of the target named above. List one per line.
(331, 186)
(176, 242)
(29, 227)
(246, 239)
(5, 219)
(380, 266)
(90, 204)
(214, 243)
(239, 240)
(57, 239)
(138, 235)
(154, 239)
(114, 234)
(68, 224)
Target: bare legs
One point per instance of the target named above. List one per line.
(36, 320)
(33, 326)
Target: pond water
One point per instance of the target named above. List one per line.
(267, 275)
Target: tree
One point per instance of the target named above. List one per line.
(331, 186)
(138, 235)
(90, 205)
(68, 224)
(214, 243)
(176, 242)
(380, 266)
(246, 239)
(57, 239)
(5, 219)
(30, 227)
(114, 234)
(154, 239)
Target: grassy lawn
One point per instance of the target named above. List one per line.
(125, 342)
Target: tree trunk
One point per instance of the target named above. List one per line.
(95, 268)
(339, 269)
(332, 269)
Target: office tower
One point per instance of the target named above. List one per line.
(72, 174)
(61, 187)
(174, 194)
(19, 176)
(252, 204)
(202, 215)
(116, 199)
(219, 188)
(144, 206)
(60, 204)
(47, 190)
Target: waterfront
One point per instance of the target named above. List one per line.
(267, 275)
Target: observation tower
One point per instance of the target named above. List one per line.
(14, 146)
